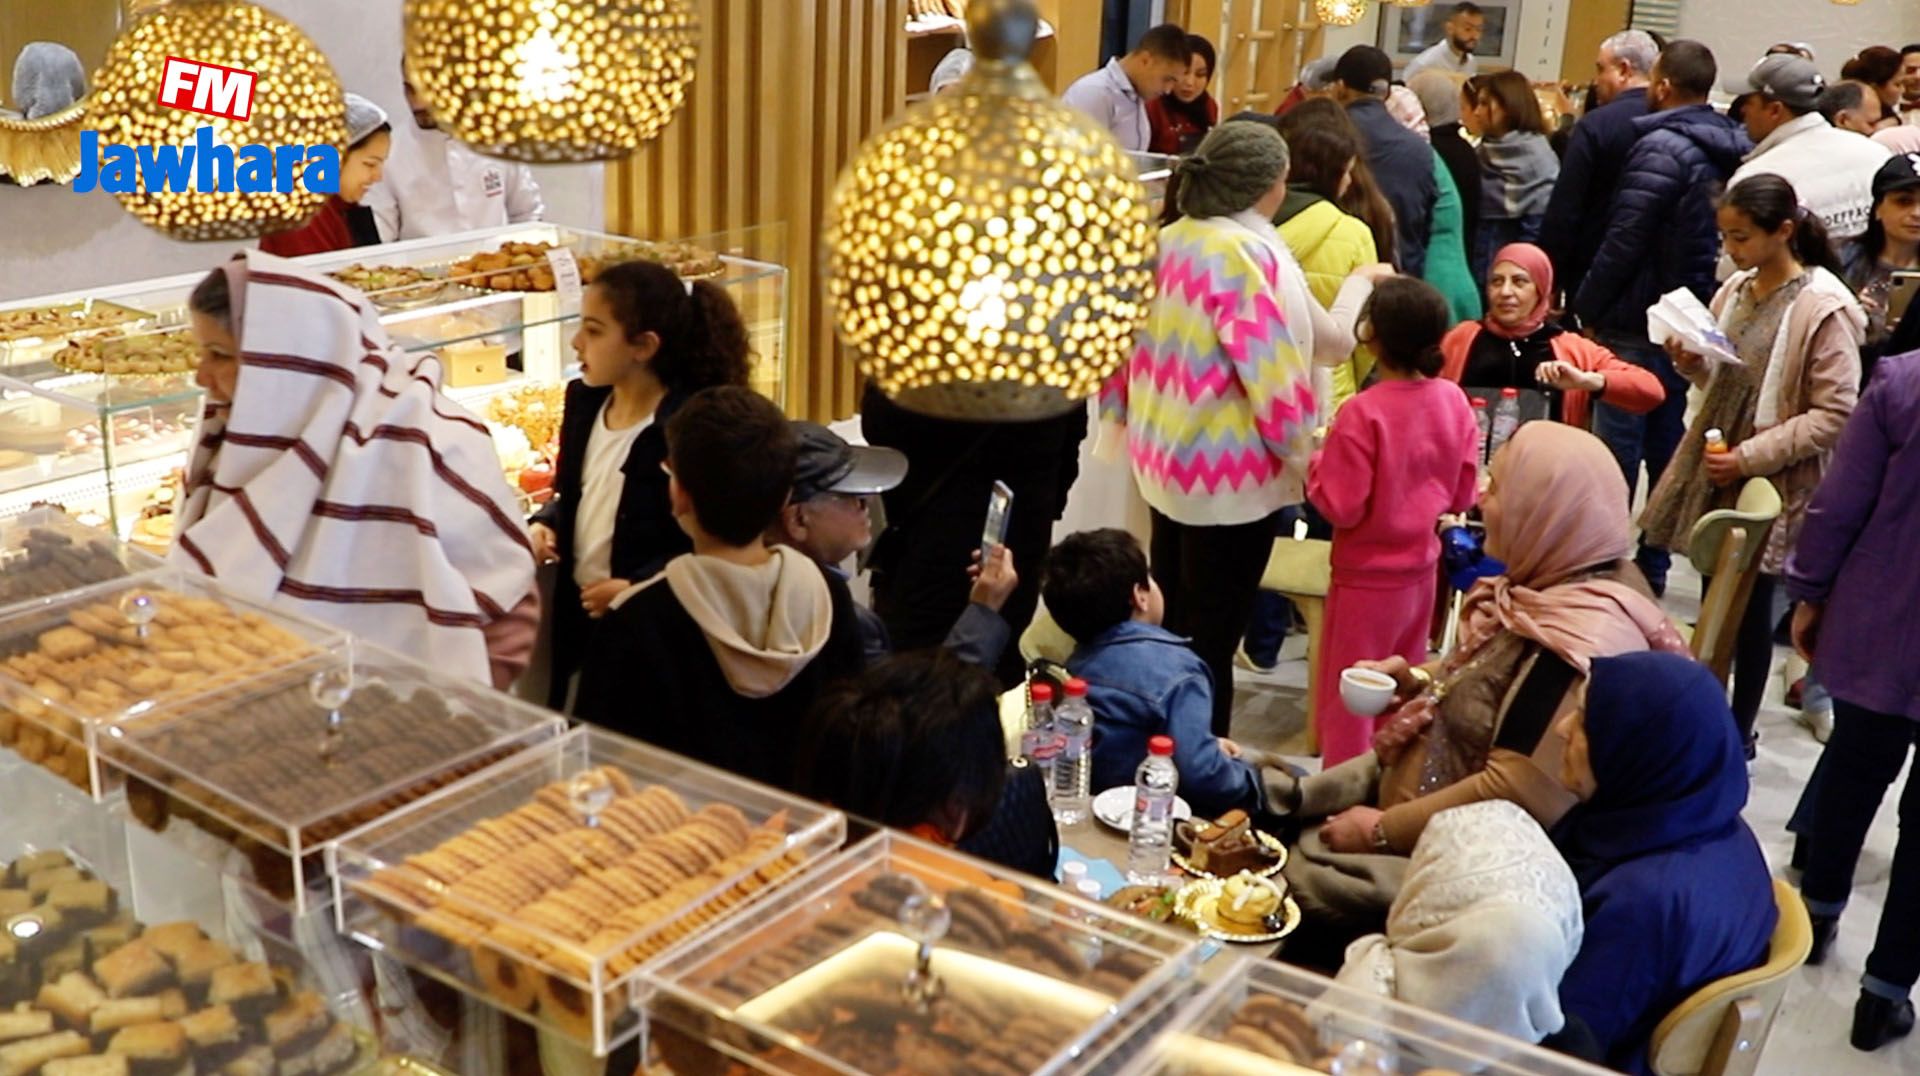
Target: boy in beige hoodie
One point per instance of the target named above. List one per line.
(720, 656)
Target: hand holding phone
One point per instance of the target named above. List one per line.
(999, 511)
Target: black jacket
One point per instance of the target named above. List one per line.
(645, 535)
(651, 674)
(1661, 232)
(1576, 220)
(1463, 164)
(1402, 164)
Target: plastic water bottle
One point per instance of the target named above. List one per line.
(1073, 766)
(1506, 419)
(1036, 741)
(1151, 838)
(1484, 420)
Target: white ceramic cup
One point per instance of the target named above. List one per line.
(1366, 693)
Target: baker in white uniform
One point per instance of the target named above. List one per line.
(436, 185)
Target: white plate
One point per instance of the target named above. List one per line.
(1115, 808)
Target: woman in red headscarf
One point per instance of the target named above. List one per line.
(1517, 346)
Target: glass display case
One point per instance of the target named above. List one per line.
(276, 765)
(98, 405)
(107, 952)
(898, 956)
(74, 665)
(546, 884)
(1156, 172)
(1267, 1019)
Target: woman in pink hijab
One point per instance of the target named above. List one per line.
(1517, 346)
(1495, 717)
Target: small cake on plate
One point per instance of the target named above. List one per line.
(1247, 901)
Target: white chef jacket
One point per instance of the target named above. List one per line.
(435, 185)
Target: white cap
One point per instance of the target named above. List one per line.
(363, 118)
(1071, 872)
(1087, 888)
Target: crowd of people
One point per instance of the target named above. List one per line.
(1344, 287)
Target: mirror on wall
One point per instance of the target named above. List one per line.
(49, 52)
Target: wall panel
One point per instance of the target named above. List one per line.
(786, 92)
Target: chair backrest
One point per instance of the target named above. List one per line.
(1729, 542)
(1044, 638)
(1720, 1030)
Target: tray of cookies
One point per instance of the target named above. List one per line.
(280, 764)
(72, 665)
(1261, 1018)
(548, 883)
(898, 956)
(45, 553)
(56, 321)
(87, 989)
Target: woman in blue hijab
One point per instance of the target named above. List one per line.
(1675, 890)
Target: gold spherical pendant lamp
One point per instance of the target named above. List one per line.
(1340, 12)
(991, 254)
(296, 101)
(552, 80)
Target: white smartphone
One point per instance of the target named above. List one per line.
(999, 511)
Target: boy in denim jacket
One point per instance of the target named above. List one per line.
(1142, 680)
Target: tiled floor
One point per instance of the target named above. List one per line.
(1811, 1033)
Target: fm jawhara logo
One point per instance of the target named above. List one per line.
(205, 165)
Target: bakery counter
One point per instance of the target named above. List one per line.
(547, 884)
(897, 956)
(75, 665)
(274, 766)
(1260, 1018)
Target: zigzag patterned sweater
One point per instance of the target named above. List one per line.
(1217, 399)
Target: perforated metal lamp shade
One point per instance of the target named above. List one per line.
(1340, 12)
(991, 254)
(552, 80)
(296, 102)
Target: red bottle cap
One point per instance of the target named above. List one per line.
(1511, 393)
(1478, 401)
(1040, 691)
(1076, 688)
(1160, 745)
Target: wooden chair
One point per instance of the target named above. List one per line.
(1727, 544)
(1721, 1029)
(1299, 571)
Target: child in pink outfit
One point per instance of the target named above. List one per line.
(1400, 455)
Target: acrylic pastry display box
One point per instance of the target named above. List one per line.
(74, 665)
(898, 956)
(277, 765)
(45, 554)
(544, 885)
(1266, 1019)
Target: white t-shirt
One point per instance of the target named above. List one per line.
(600, 488)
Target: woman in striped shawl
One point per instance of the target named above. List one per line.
(333, 479)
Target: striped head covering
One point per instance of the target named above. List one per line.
(342, 485)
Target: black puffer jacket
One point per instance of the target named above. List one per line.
(1661, 230)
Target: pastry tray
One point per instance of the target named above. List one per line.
(116, 314)
(76, 664)
(282, 763)
(1024, 977)
(546, 884)
(45, 554)
(1261, 1018)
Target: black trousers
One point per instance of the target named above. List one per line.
(1210, 576)
(1861, 761)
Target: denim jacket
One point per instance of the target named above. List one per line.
(1144, 681)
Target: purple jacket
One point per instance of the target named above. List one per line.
(1856, 550)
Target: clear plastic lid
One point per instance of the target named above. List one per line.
(898, 956)
(44, 554)
(282, 763)
(544, 885)
(1267, 1019)
(87, 659)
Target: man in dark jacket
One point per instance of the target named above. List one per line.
(1402, 161)
(1661, 234)
(1577, 214)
